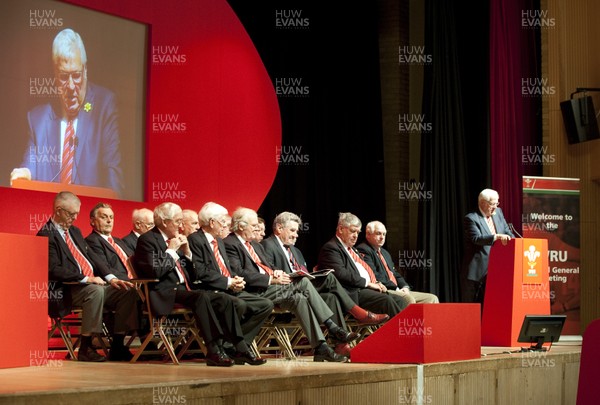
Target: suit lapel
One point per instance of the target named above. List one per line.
(345, 255)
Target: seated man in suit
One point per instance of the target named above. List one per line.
(259, 232)
(142, 220)
(71, 260)
(114, 253)
(482, 228)
(163, 253)
(248, 259)
(353, 273)
(190, 222)
(281, 251)
(382, 264)
(212, 271)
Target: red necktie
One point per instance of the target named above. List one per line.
(84, 265)
(180, 270)
(389, 272)
(295, 265)
(122, 256)
(490, 223)
(222, 267)
(257, 260)
(68, 154)
(357, 259)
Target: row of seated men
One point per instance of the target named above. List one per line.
(213, 264)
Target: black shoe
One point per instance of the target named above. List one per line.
(343, 336)
(248, 357)
(90, 354)
(120, 353)
(325, 353)
(218, 360)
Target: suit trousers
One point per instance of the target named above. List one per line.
(330, 286)
(94, 299)
(301, 298)
(415, 297)
(380, 303)
(258, 310)
(217, 314)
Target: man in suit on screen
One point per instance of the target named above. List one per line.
(74, 140)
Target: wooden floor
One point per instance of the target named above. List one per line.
(498, 377)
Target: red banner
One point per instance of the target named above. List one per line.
(551, 211)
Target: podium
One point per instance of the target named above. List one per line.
(424, 333)
(517, 285)
(24, 300)
(52, 187)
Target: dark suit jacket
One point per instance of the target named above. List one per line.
(333, 256)
(206, 274)
(370, 256)
(130, 240)
(105, 251)
(479, 240)
(62, 266)
(97, 156)
(244, 266)
(280, 259)
(151, 260)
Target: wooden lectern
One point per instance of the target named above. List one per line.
(517, 285)
(55, 188)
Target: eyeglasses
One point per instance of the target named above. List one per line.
(69, 213)
(221, 222)
(64, 77)
(491, 204)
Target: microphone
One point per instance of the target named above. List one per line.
(514, 231)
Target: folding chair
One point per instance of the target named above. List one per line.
(172, 332)
(283, 327)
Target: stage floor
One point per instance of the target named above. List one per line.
(545, 378)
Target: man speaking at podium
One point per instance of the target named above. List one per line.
(76, 139)
(482, 228)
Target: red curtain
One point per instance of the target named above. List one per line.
(513, 61)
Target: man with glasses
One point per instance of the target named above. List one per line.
(298, 295)
(482, 228)
(142, 220)
(164, 253)
(75, 139)
(353, 273)
(212, 271)
(71, 261)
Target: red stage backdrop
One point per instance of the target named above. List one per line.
(210, 105)
(551, 211)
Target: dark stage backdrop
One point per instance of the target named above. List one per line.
(324, 64)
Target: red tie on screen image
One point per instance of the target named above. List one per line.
(68, 154)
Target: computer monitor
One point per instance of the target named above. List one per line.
(540, 329)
